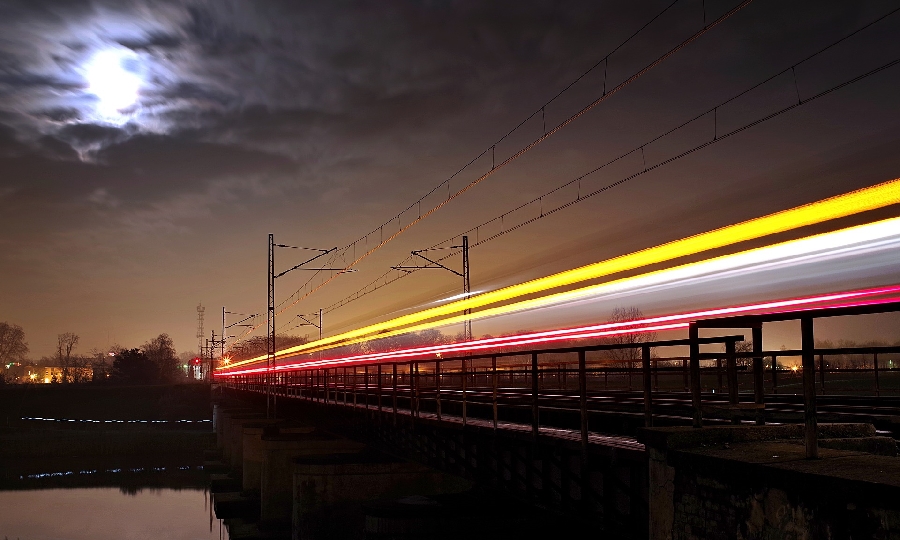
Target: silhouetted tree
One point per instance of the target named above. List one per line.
(631, 354)
(133, 366)
(161, 351)
(65, 344)
(628, 356)
(12, 343)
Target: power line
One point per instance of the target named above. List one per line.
(495, 167)
(375, 285)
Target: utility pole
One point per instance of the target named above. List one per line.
(466, 286)
(200, 311)
(222, 354)
(307, 322)
(270, 313)
(204, 351)
(212, 352)
(270, 321)
(430, 264)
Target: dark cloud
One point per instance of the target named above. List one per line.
(199, 94)
(13, 81)
(60, 115)
(92, 135)
(156, 41)
(57, 149)
(217, 37)
(9, 143)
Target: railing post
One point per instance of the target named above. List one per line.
(877, 386)
(437, 387)
(648, 397)
(809, 387)
(759, 389)
(366, 385)
(394, 390)
(774, 374)
(582, 401)
(693, 335)
(535, 423)
(656, 377)
(719, 374)
(494, 388)
(414, 375)
(355, 399)
(325, 384)
(822, 372)
(464, 392)
(379, 391)
(344, 384)
(731, 368)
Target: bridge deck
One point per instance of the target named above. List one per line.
(615, 441)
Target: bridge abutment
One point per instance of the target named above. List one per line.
(755, 482)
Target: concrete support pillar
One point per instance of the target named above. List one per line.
(252, 450)
(329, 490)
(276, 479)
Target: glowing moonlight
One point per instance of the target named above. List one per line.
(115, 86)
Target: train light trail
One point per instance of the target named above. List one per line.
(649, 324)
(862, 240)
(822, 248)
(861, 200)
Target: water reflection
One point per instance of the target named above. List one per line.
(107, 514)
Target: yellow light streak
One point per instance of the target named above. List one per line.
(761, 254)
(854, 202)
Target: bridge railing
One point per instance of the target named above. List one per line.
(807, 354)
(576, 387)
(569, 386)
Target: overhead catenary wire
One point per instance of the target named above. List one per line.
(299, 295)
(496, 167)
(375, 285)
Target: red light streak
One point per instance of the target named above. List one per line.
(665, 322)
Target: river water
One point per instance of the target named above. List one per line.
(107, 513)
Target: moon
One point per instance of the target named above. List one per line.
(110, 79)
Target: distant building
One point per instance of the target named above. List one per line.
(23, 374)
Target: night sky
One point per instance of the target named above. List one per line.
(148, 148)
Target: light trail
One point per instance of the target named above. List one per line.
(819, 249)
(650, 324)
(855, 202)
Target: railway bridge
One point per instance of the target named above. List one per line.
(624, 436)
